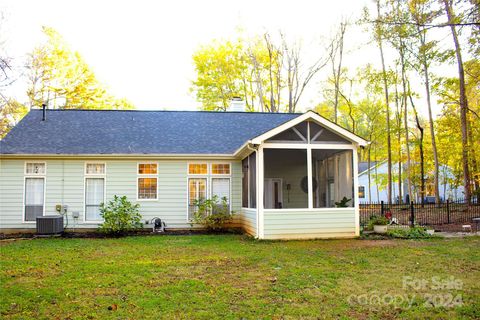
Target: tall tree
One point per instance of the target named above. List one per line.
(378, 33)
(452, 19)
(60, 78)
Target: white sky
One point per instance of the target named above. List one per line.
(142, 49)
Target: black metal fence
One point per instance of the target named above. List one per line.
(444, 215)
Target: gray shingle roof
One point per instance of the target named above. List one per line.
(137, 132)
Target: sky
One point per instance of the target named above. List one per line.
(142, 50)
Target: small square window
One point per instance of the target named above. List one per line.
(147, 168)
(95, 168)
(221, 168)
(35, 168)
(197, 168)
(361, 192)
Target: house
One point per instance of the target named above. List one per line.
(378, 179)
(282, 173)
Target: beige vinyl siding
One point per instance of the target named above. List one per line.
(303, 224)
(65, 180)
(248, 219)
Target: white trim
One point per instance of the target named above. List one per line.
(355, 192)
(149, 175)
(317, 135)
(308, 210)
(322, 146)
(299, 134)
(188, 191)
(310, 178)
(260, 182)
(44, 177)
(168, 156)
(310, 115)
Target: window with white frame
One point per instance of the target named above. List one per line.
(94, 190)
(147, 181)
(198, 168)
(203, 184)
(35, 168)
(220, 168)
(34, 197)
(95, 168)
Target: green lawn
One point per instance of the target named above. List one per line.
(234, 277)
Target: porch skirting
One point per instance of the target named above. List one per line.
(309, 223)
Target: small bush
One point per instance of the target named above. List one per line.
(409, 233)
(377, 221)
(212, 214)
(120, 216)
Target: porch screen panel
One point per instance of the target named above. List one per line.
(34, 198)
(285, 179)
(94, 197)
(245, 183)
(332, 178)
(252, 168)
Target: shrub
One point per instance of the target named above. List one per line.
(211, 214)
(120, 216)
(377, 221)
(409, 233)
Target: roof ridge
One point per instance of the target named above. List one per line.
(186, 111)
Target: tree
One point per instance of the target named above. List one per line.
(336, 59)
(452, 19)
(11, 112)
(60, 78)
(264, 71)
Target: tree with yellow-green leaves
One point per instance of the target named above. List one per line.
(60, 78)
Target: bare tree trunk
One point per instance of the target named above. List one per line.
(422, 160)
(389, 142)
(426, 76)
(369, 172)
(405, 119)
(463, 100)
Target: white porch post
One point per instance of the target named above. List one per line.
(260, 182)
(310, 178)
(355, 191)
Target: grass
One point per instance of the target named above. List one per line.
(232, 277)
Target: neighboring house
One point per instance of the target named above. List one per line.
(282, 173)
(379, 190)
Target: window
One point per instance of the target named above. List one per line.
(197, 168)
(95, 168)
(147, 168)
(361, 192)
(221, 168)
(94, 197)
(197, 190)
(203, 184)
(94, 190)
(221, 189)
(35, 168)
(34, 198)
(147, 181)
